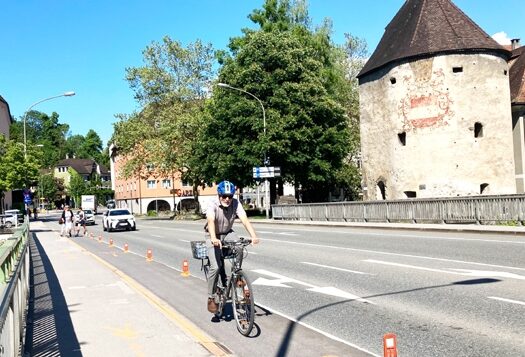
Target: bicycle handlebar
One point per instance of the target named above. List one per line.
(242, 242)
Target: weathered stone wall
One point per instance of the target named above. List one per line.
(418, 128)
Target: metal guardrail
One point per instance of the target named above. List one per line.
(14, 287)
(503, 209)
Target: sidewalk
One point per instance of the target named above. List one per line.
(80, 306)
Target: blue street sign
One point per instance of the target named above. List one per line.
(27, 200)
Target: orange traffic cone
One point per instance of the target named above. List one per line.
(185, 268)
(149, 255)
(126, 247)
(390, 345)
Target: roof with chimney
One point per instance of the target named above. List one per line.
(423, 28)
(83, 166)
(517, 76)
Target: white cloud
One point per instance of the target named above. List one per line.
(502, 38)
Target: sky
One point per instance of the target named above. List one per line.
(48, 47)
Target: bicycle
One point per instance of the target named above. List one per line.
(238, 288)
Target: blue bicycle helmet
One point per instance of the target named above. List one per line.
(225, 188)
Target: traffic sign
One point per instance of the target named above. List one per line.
(27, 200)
(266, 171)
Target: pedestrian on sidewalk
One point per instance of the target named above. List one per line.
(81, 222)
(68, 217)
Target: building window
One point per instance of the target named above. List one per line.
(505, 72)
(166, 183)
(478, 130)
(402, 138)
(393, 80)
(457, 69)
(186, 183)
(483, 188)
(152, 184)
(62, 169)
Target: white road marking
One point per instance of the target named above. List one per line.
(288, 234)
(184, 240)
(393, 254)
(411, 266)
(507, 300)
(270, 282)
(157, 236)
(464, 272)
(494, 274)
(336, 268)
(328, 290)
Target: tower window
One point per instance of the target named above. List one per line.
(457, 69)
(478, 130)
(410, 194)
(483, 188)
(402, 138)
(505, 72)
(393, 80)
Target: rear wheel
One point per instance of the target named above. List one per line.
(243, 304)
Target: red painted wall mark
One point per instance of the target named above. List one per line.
(426, 104)
(422, 101)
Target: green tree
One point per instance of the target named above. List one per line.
(298, 75)
(77, 186)
(172, 88)
(16, 171)
(44, 130)
(47, 188)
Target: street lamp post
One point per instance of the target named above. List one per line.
(66, 94)
(266, 160)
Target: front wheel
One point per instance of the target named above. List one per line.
(243, 304)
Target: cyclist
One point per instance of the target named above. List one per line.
(220, 215)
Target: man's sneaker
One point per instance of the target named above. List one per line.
(212, 306)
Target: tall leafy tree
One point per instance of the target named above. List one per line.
(45, 131)
(297, 74)
(172, 88)
(16, 171)
(77, 186)
(47, 188)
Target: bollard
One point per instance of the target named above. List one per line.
(149, 255)
(100, 239)
(390, 345)
(110, 242)
(126, 247)
(185, 268)
(91, 235)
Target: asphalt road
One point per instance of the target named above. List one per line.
(337, 291)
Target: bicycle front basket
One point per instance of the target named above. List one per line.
(199, 249)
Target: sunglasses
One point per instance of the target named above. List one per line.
(226, 196)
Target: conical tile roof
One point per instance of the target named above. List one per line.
(428, 27)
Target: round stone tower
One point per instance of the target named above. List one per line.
(435, 108)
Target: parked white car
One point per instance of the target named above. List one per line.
(7, 221)
(89, 217)
(118, 218)
(16, 212)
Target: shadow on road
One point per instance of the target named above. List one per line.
(283, 347)
(49, 330)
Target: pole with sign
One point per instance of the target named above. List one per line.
(266, 172)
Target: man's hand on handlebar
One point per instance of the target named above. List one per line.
(255, 240)
(216, 242)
